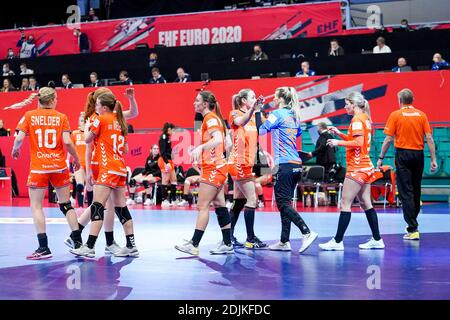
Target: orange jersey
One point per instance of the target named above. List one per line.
(89, 121)
(45, 128)
(245, 139)
(110, 144)
(358, 159)
(214, 157)
(77, 137)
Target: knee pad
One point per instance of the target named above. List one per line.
(97, 211)
(223, 216)
(80, 188)
(123, 214)
(146, 184)
(65, 207)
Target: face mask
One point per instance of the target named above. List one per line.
(30, 41)
(5, 70)
(10, 54)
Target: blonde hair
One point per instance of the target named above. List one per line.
(91, 100)
(108, 100)
(290, 99)
(46, 96)
(358, 99)
(237, 98)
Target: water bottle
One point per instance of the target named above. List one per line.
(305, 198)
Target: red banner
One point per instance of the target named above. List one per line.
(294, 21)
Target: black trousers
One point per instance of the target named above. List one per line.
(286, 180)
(409, 165)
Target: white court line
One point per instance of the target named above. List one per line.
(30, 221)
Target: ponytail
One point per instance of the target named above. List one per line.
(237, 98)
(367, 109)
(108, 100)
(121, 118)
(219, 114)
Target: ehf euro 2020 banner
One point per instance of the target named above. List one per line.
(287, 22)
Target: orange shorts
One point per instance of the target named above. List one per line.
(213, 176)
(240, 172)
(41, 180)
(162, 165)
(361, 177)
(111, 180)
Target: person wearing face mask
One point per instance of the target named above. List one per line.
(153, 60)
(27, 47)
(7, 71)
(404, 25)
(258, 54)
(10, 54)
(83, 41)
(24, 70)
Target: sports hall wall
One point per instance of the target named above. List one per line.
(322, 97)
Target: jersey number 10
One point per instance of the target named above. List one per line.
(46, 138)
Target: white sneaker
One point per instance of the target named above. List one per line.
(188, 247)
(130, 202)
(260, 204)
(372, 244)
(83, 251)
(148, 202)
(280, 246)
(308, 240)
(139, 199)
(73, 202)
(69, 242)
(183, 203)
(332, 245)
(228, 205)
(166, 204)
(127, 252)
(223, 249)
(112, 249)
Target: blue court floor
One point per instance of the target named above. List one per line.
(404, 270)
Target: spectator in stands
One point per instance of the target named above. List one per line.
(7, 86)
(156, 76)
(33, 84)
(306, 71)
(258, 54)
(66, 83)
(27, 46)
(92, 16)
(125, 79)
(402, 66)
(182, 76)
(381, 46)
(439, 63)
(95, 82)
(7, 72)
(25, 86)
(24, 71)
(335, 49)
(10, 54)
(3, 132)
(153, 60)
(83, 41)
(325, 156)
(404, 25)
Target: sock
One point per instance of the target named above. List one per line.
(260, 197)
(186, 197)
(344, 220)
(130, 241)
(80, 199)
(198, 234)
(43, 241)
(91, 241)
(226, 234)
(173, 192)
(132, 195)
(109, 238)
(372, 218)
(76, 236)
(164, 192)
(249, 216)
(149, 196)
(90, 197)
(236, 208)
(80, 227)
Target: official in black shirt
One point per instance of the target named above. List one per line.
(168, 176)
(3, 131)
(325, 156)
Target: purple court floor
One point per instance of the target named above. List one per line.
(404, 270)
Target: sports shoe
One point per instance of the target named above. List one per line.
(83, 251)
(138, 199)
(255, 244)
(148, 202)
(260, 204)
(372, 244)
(166, 204)
(183, 203)
(40, 254)
(127, 252)
(236, 243)
(188, 247)
(228, 205)
(332, 245)
(113, 248)
(308, 239)
(280, 246)
(130, 202)
(69, 242)
(412, 236)
(223, 249)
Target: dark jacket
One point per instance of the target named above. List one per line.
(84, 42)
(165, 148)
(151, 166)
(338, 52)
(324, 155)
